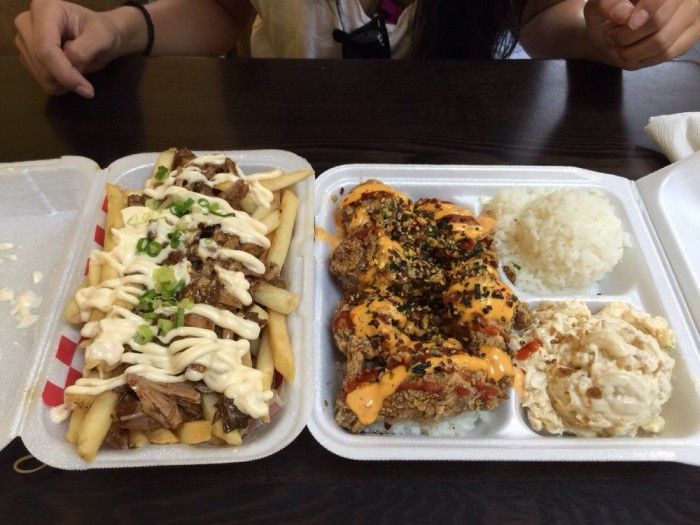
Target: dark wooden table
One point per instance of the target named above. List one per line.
(333, 113)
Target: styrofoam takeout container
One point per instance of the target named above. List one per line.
(51, 213)
(658, 273)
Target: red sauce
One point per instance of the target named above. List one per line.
(368, 376)
(529, 349)
(429, 387)
(462, 391)
(342, 321)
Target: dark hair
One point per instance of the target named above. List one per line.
(478, 29)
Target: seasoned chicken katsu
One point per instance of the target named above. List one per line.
(424, 317)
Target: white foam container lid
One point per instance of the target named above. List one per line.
(662, 214)
(49, 211)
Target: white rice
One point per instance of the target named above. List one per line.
(563, 240)
(456, 426)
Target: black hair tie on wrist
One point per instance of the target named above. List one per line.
(149, 25)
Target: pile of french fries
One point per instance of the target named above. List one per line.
(92, 416)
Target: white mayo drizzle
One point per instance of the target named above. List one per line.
(191, 172)
(222, 358)
(59, 413)
(235, 283)
(164, 360)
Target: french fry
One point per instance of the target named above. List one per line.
(265, 363)
(115, 204)
(218, 435)
(161, 436)
(248, 204)
(247, 360)
(76, 421)
(79, 400)
(194, 432)
(96, 425)
(277, 253)
(138, 439)
(272, 220)
(94, 271)
(232, 438)
(277, 299)
(209, 406)
(281, 347)
(72, 312)
(165, 159)
(286, 180)
(261, 213)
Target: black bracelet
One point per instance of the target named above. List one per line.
(149, 25)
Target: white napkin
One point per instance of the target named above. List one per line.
(677, 135)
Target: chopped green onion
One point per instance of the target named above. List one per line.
(141, 245)
(517, 266)
(162, 275)
(147, 298)
(204, 203)
(153, 248)
(186, 303)
(180, 208)
(165, 325)
(149, 316)
(152, 204)
(175, 238)
(170, 289)
(178, 287)
(477, 291)
(144, 334)
(161, 173)
(180, 320)
(213, 206)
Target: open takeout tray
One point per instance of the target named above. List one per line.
(658, 273)
(52, 214)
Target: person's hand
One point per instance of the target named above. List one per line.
(638, 34)
(58, 42)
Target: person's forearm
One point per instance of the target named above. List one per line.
(183, 27)
(556, 29)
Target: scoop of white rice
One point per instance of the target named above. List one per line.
(456, 426)
(562, 241)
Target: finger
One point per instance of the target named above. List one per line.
(680, 46)
(47, 23)
(617, 11)
(662, 40)
(624, 36)
(44, 80)
(86, 46)
(644, 11)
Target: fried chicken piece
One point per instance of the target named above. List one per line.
(368, 257)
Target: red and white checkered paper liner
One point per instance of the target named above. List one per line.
(68, 362)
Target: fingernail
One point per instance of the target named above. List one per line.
(638, 19)
(621, 12)
(85, 91)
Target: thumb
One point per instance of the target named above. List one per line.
(617, 11)
(82, 50)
